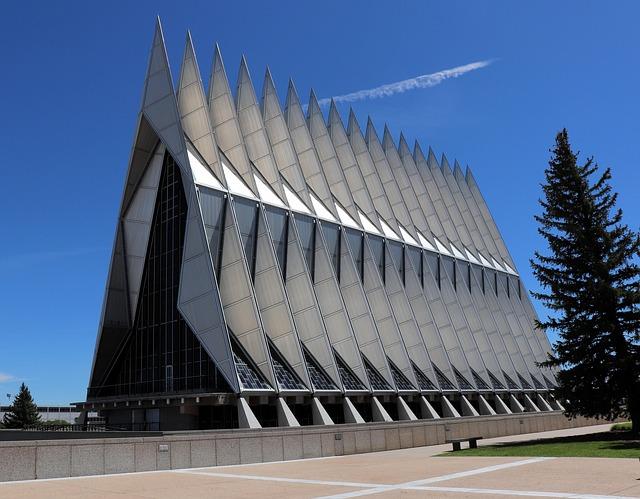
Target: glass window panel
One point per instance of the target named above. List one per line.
(462, 381)
(424, 382)
(356, 243)
(512, 385)
(247, 213)
(213, 204)
(161, 354)
(377, 249)
(375, 378)
(433, 260)
(401, 381)
(278, 221)
(307, 231)
(397, 253)
(349, 380)
(480, 383)
(495, 382)
(443, 381)
(416, 260)
(331, 234)
(285, 376)
(478, 273)
(525, 384)
(319, 378)
(450, 266)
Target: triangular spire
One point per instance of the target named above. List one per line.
(159, 101)
(444, 163)
(304, 146)
(224, 120)
(282, 147)
(353, 170)
(432, 161)
(194, 113)
(418, 155)
(255, 137)
(403, 147)
(387, 139)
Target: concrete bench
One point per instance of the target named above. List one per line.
(473, 442)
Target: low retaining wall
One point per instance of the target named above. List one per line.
(27, 460)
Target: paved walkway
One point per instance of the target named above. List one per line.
(402, 473)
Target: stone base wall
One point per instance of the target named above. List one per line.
(27, 460)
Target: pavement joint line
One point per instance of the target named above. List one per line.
(441, 478)
(505, 492)
(284, 479)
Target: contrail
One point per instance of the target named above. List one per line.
(423, 81)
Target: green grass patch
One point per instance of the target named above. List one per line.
(622, 426)
(609, 444)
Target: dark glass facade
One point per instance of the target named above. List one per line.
(331, 233)
(161, 354)
(307, 231)
(214, 206)
(377, 249)
(356, 244)
(247, 213)
(397, 254)
(278, 221)
(415, 254)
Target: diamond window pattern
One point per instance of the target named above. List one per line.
(250, 378)
(512, 385)
(285, 376)
(480, 383)
(462, 381)
(537, 383)
(401, 381)
(525, 384)
(375, 378)
(495, 382)
(424, 382)
(319, 379)
(443, 381)
(349, 380)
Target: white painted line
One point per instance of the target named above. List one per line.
(442, 478)
(525, 493)
(282, 479)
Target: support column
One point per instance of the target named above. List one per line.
(530, 404)
(448, 411)
(285, 416)
(320, 415)
(378, 412)
(404, 411)
(467, 408)
(351, 414)
(555, 403)
(485, 407)
(515, 405)
(542, 403)
(501, 407)
(428, 412)
(246, 417)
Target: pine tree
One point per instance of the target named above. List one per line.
(591, 283)
(23, 412)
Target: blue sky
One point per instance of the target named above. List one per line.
(71, 87)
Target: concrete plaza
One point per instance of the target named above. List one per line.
(415, 472)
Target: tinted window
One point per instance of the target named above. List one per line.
(213, 205)
(397, 253)
(331, 234)
(416, 260)
(307, 231)
(450, 266)
(433, 260)
(377, 248)
(356, 243)
(247, 213)
(279, 228)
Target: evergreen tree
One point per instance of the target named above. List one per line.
(591, 283)
(23, 412)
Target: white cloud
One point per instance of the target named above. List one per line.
(6, 378)
(423, 81)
